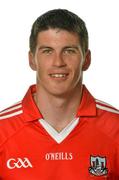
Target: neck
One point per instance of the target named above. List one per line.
(58, 111)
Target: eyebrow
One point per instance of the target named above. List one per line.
(65, 47)
(44, 47)
(72, 46)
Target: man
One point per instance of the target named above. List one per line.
(59, 130)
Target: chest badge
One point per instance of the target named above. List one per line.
(98, 166)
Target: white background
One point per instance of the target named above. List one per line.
(102, 19)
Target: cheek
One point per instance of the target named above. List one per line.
(42, 68)
(75, 61)
(43, 61)
(39, 63)
(77, 71)
(76, 66)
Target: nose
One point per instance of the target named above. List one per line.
(58, 60)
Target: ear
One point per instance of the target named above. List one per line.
(87, 60)
(32, 62)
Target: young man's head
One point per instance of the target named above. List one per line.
(60, 19)
(59, 52)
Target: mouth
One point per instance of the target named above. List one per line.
(59, 75)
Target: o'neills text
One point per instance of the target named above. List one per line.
(59, 156)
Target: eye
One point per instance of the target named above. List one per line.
(70, 51)
(47, 51)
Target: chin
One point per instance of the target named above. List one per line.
(59, 92)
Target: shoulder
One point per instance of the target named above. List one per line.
(11, 120)
(11, 111)
(101, 105)
(107, 120)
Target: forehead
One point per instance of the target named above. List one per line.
(57, 36)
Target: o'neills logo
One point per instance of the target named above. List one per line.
(59, 156)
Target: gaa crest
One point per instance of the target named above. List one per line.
(98, 166)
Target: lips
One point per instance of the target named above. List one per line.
(59, 75)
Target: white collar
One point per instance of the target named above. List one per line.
(59, 136)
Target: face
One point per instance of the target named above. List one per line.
(58, 61)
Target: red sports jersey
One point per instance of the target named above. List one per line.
(87, 149)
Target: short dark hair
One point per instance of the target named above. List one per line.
(62, 19)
